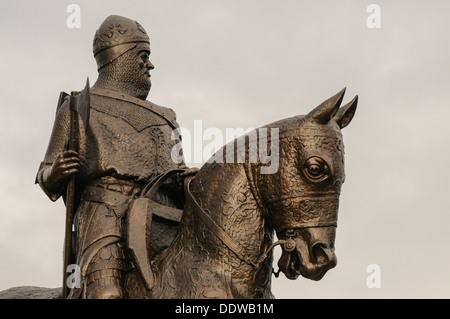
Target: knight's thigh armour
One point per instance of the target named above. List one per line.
(100, 228)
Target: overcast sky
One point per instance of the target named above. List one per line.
(245, 64)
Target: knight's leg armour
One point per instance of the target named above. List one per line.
(105, 275)
(105, 284)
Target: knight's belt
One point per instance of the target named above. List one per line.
(115, 193)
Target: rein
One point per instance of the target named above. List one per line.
(234, 246)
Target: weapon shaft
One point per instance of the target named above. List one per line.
(79, 105)
(70, 204)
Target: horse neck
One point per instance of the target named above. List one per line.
(225, 193)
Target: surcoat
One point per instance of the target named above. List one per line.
(127, 138)
(128, 143)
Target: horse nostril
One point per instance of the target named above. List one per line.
(321, 254)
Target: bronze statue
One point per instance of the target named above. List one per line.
(125, 145)
(146, 226)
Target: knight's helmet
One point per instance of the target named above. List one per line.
(115, 36)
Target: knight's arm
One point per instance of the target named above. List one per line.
(57, 144)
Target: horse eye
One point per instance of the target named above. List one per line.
(316, 169)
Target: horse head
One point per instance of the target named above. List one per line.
(301, 198)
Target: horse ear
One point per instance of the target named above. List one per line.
(345, 114)
(323, 113)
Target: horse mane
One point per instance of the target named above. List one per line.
(287, 124)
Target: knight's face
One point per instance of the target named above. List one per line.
(143, 62)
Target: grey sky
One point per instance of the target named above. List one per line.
(245, 64)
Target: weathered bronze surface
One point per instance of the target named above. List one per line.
(146, 227)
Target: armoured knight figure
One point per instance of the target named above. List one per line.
(127, 145)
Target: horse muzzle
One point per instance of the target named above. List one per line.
(308, 252)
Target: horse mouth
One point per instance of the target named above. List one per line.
(289, 264)
(311, 262)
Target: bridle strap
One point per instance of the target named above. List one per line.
(253, 189)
